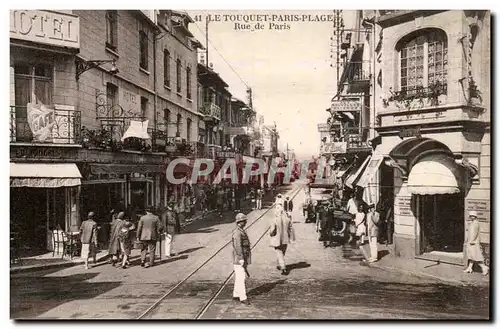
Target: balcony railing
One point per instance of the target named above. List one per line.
(357, 72)
(356, 137)
(44, 125)
(418, 96)
(209, 109)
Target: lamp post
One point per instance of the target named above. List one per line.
(82, 66)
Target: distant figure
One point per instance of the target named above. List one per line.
(282, 233)
(88, 236)
(473, 248)
(148, 232)
(125, 238)
(373, 222)
(288, 206)
(259, 196)
(279, 200)
(114, 243)
(241, 258)
(168, 223)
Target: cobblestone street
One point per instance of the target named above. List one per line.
(323, 283)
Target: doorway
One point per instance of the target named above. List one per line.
(441, 220)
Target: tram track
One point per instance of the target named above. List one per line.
(206, 304)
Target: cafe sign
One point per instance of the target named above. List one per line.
(346, 105)
(47, 27)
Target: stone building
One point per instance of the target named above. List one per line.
(100, 101)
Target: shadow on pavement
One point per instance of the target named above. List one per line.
(31, 298)
(382, 254)
(190, 250)
(264, 288)
(297, 266)
(137, 261)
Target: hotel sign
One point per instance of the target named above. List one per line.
(335, 148)
(346, 105)
(45, 27)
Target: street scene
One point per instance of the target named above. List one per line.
(200, 165)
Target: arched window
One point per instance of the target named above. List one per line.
(188, 130)
(423, 60)
(166, 119)
(179, 120)
(179, 75)
(166, 68)
(188, 83)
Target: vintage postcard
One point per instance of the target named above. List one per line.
(250, 164)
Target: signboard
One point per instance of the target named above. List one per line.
(45, 153)
(335, 147)
(482, 207)
(45, 27)
(129, 101)
(346, 104)
(410, 132)
(403, 206)
(225, 154)
(41, 121)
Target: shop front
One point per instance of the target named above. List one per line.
(422, 186)
(43, 198)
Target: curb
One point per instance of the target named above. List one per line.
(413, 273)
(33, 268)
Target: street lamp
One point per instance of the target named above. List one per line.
(82, 66)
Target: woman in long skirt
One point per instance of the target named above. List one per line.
(473, 247)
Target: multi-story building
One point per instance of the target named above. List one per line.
(97, 100)
(433, 118)
(430, 163)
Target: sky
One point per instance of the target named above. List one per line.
(289, 70)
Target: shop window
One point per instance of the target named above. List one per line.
(111, 29)
(178, 123)
(423, 60)
(188, 83)
(179, 75)
(144, 48)
(188, 130)
(166, 68)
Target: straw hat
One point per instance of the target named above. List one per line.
(240, 217)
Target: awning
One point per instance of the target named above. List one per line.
(45, 175)
(435, 174)
(377, 159)
(342, 171)
(353, 178)
(137, 129)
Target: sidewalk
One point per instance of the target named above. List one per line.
(452, 274)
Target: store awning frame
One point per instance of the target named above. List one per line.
(354, 178)
(44, 175)
(138, 129)
(379, 154)
(435, 174)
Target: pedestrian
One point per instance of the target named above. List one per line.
(241, 258)
(373, 222)
(253, 199)
(148, 233)
(88, 238)
(220, 201)
(282, 233)
(258, 200)
(288, 206)
(168, 222)
(125, 238)
(279, 200)
(359, 221)
(114, 249)
(473, 247)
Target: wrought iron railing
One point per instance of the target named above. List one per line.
(44, 125)
(419, 93)
(358, 71)
(212, 110)
(356, 137)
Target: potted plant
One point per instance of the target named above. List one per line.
(474, 93)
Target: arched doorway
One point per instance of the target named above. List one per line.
(435, 187)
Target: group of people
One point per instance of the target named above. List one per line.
(281, 233)
(150, 229)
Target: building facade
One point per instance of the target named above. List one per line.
(107, 98)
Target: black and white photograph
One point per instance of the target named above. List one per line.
(257, 164)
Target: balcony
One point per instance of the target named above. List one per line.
(358, 72)
(211, 111)
(417, 97)
(44, 125)
(356, 139)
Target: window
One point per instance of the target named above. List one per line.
(166, 118)
(179, 120)
(144, 45)
(32, 84)
(188, 83)
(166, 68)
(188, 132)
(144, 107)
(111, 29)
(111, 95)
(179, 75)
(423, 60)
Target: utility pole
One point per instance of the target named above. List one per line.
(206, 38)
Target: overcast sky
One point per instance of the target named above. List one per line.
(289, 71)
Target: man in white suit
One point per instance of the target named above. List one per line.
(282, 233)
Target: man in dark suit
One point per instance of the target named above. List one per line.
(288, 206)
(148, 232)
